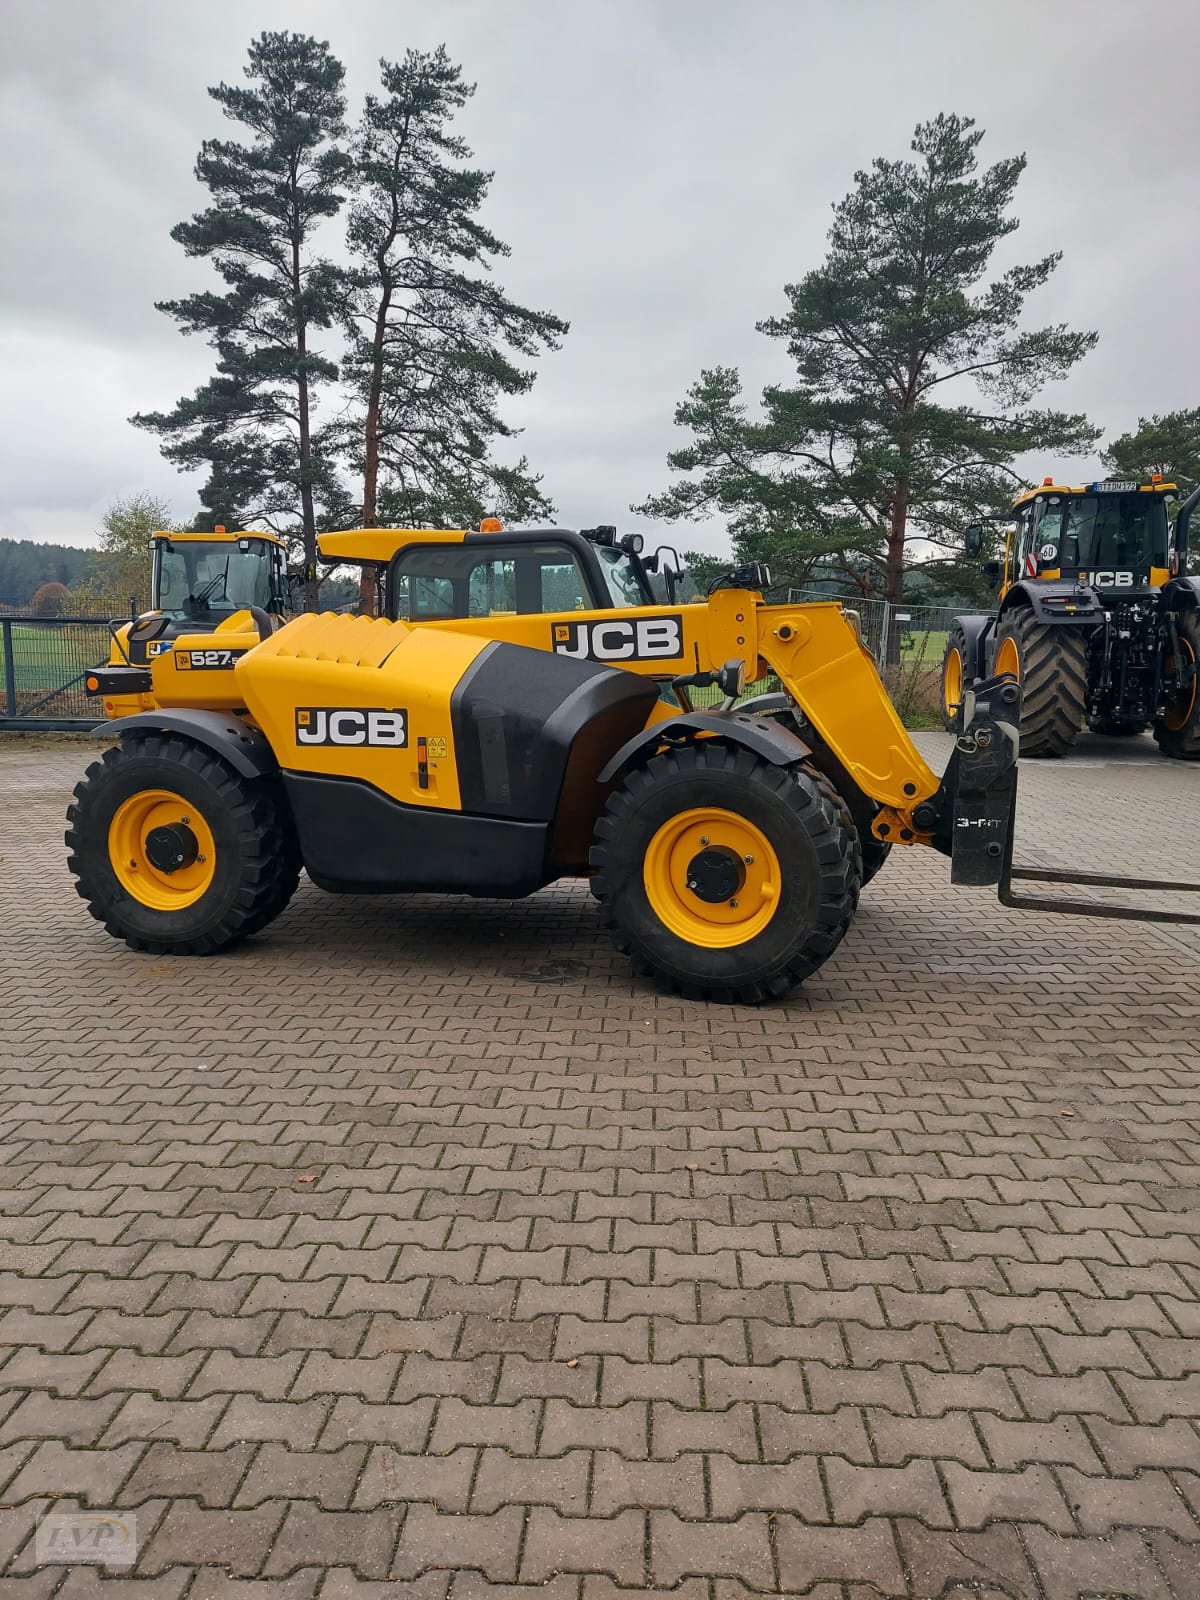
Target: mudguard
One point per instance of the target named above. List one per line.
(758, 734)
(975, 630)
(245, 748)
(1180, 593)
(1050, 598)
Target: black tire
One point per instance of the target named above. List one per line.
(1177, 731)
(808, 828)
(873, 852)
(1116, 727)
(257, 860)
(956, 645)
(1053, 673)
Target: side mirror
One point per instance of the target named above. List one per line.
(671, 571)
(973, 540)
(993, 571)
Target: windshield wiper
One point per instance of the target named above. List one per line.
(199, 601)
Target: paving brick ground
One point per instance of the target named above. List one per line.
(416, 1251)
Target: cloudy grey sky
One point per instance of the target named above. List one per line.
(662, 167)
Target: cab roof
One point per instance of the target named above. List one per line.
(1103, 485)
(381, 544)
(225, 536)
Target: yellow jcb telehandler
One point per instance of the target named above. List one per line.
(198, 581)
(522, 714)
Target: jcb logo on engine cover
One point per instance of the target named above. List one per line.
(620, 639)
(1107, 580)
(343, 725)
(206, 660)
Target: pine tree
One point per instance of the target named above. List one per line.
(434, 342)
(1169, 444)
(252, 424)
(880, 442)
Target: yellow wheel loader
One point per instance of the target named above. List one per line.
(514, 720)
(199, 581)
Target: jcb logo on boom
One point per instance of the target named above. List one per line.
(620, 639)
(344, 725)
(1107, 580)
(206, 660)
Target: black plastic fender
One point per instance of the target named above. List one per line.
(761, 735)
(1087, 607)
(975, 630)
(246, 749)
(1180, 593)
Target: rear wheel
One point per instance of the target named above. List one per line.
(724, 877)
(1050, 661)
(955, 677)
(174, 852)
(1178, 729)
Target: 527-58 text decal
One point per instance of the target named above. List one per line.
(206, 660)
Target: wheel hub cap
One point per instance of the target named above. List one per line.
(171, 847)
(714, 875)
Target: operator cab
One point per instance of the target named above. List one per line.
(447, 575)
(202, 578)
(1113, 536)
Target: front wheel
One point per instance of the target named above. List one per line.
(174, 852)
(724, 877)
(1050, 662)
(955, 678)
(1178, 729)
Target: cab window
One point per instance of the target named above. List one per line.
(621, 577)
(442, 582)
(1022, 543)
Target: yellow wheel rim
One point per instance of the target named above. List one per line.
(130, 847)
(1177, 716)
(1008, 658)
(712, 878)
(952, 681)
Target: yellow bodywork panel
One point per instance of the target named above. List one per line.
(654, 641)
(379, 545)
(197, 668)
(323, 685)
(828, 671)
(813, 649)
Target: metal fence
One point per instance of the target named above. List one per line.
(907, 641)
(897, 635)
(45, 660)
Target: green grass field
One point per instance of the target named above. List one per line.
(929, 647)
(50, 659)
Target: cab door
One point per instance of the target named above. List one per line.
(1018, 550)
